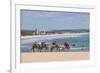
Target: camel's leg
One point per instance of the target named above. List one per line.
(57, 49)
(47, 49)
(51, 49)
(40, 49)
(33, 49)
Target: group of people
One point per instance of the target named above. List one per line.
(53, 46)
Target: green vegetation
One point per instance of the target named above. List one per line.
(26, 32)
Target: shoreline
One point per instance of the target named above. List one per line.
(54, 35)
(53, 56)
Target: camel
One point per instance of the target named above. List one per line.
(66, 45)
(55, 45)
(39, 47)
(43, 45)
(33, 47)
(60, 47)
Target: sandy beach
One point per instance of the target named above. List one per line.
(53, 56)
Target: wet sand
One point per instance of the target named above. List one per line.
(53, 56)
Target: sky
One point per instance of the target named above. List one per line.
(53, 20)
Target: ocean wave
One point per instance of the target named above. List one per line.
(39, 39)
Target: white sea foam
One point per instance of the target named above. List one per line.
(38, 38)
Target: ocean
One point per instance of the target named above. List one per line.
(77, 43)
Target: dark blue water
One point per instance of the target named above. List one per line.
(77, 43)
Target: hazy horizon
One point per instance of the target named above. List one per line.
(55, 29)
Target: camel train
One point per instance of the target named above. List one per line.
(54, 45)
